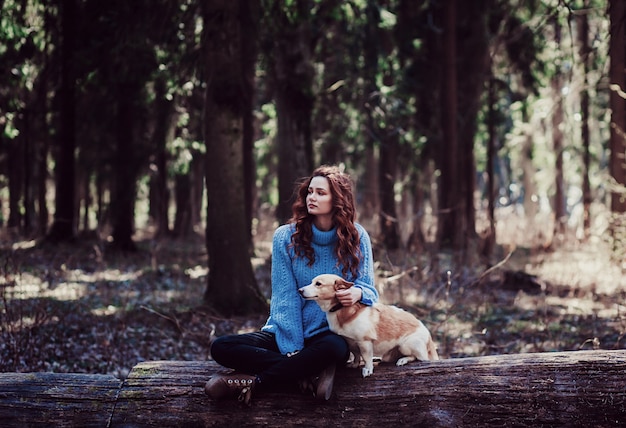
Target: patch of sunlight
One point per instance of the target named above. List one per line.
(167, 295)
(23, 245)
(197, 272)
(27, 286)
(109, 310)
(66, 291)
(25, 289)
(585, 307)
(567, 305)
(586, 268)
(71, 285)
(112, 275)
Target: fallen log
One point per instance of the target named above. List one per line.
(57, 399)
(582, 388)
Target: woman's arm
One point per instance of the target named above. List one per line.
(286, 305)
(365, 279)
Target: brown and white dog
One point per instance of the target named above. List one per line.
(379, 330)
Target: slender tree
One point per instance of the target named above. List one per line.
(490, 235)
(585, 53)
(64, 216)
(291, 74)
(382, 128)
(134, 61)
(557, 136)
(164, 112)
(618, 105)
(371, 50)
(449, 196)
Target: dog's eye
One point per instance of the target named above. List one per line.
(317, 284)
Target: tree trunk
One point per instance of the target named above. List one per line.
(15, 151)
(371, 186)
(490, 234)
(250, 16)
(292, 81)
(42, 177)
(560, 216)
(448, 190)
(583, 388)
(472, 69)
(617, 77)
(197, 187)
(43, 146)
(62, 228)
(585, 51)
(123, 198)
(159, 201)
(183, 226)
(231, 287)
(86, 197)
(528, 183)
(28, 170)
(389, 229)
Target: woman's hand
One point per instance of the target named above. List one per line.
(349, 296)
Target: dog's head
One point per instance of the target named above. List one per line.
(323, 287)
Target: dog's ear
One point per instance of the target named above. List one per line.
(342, 284)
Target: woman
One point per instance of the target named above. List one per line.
(295, 343)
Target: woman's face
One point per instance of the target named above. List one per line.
(319, 201)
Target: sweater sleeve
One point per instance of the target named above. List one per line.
(286, 304)
(365, 278)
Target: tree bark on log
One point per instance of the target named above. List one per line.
(582, 388)
(57, 399)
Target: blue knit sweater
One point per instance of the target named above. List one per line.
(293, 319)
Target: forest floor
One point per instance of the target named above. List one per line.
(81, 308)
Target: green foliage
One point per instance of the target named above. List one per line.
(376, 68)
(10, 131)
(22, 44)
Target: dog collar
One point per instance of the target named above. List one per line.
(336, 307)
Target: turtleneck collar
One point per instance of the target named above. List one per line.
(322, 237)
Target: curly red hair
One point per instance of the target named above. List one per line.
(347, 249)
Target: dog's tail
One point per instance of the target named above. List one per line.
(432, 350)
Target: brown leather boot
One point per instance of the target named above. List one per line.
(230, 386)
(325, 383)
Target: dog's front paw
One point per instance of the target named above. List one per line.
(367, 371)
(404, 360)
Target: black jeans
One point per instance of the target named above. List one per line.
(257, 354)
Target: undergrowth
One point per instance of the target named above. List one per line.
(78, 308)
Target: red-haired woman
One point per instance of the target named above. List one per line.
(295, 343)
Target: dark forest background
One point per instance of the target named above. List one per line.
(149, 148)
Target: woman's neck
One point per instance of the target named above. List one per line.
(323, 223)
